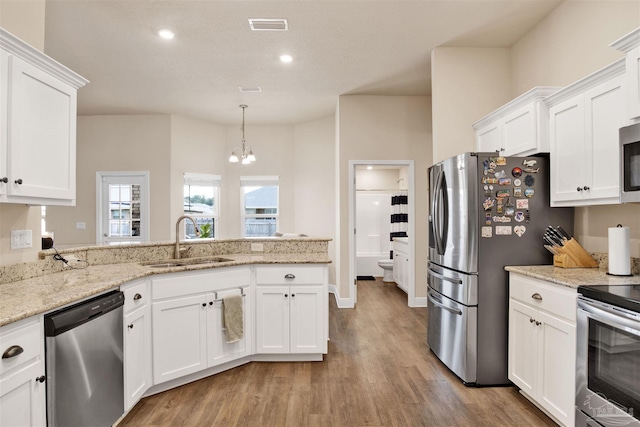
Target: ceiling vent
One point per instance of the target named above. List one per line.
(262, 24)
(255, 89)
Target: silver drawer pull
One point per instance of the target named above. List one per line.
(12, 351)
(448, 279)
(289, 276)
(537, 296)
(137, 297)
(439, 304)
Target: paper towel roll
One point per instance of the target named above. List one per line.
(619, 251)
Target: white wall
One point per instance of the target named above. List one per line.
(383, 128)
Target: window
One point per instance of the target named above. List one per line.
(122, 212)
(201, 201)
(259, 205)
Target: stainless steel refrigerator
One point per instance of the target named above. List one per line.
(486, 212)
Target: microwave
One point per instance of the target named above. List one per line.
(630, 163)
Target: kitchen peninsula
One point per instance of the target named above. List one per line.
(173, 311)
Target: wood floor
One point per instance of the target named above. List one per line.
(379, 372)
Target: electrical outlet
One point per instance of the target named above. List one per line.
(21, 239)
(81, 225)
(257, 247)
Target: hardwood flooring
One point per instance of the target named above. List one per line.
(379, 372)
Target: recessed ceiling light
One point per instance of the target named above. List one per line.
(369, 167)
(286, 58)
(166, 34)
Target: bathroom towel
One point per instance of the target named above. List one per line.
(233, 318)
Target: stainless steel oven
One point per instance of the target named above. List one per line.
(630, 163)
(608, 356)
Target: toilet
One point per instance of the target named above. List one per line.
(387, 267)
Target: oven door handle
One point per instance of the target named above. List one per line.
(610, 316)
(448, 279)
(441, 305)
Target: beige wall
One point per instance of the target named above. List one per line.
(467, 84)
(571, 43)
(381, 179)
(25, 19)
(314, 186)
(383, 128)
(117, 143)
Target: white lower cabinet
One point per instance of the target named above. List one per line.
(137, 341)
(401, 263)
(542, 344)
(188, 331)
(22, 374)
(291, 309)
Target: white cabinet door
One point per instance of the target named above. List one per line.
(633, 82)
(179, 337)
(556, 367)
(398, 265)
(519, 131)
(272, 319)
(137, 355)
(306, 306)
(218, 349)
(41, 134)
(22, 398)
(568, 151)
(605, 111)
(523, 345)
(488, 138)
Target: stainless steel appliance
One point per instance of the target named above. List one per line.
(608, 356)
(83, 344)
(630, 163)
(486, 212)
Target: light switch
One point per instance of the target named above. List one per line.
(21, 239)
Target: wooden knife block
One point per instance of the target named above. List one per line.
(573, 255)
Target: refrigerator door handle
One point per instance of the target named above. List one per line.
(439, 212)
(448, 279)
(434, 213)
(439, 304)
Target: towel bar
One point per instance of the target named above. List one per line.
(216, 299)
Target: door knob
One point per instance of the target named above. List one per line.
(41, 378)
(130, 326)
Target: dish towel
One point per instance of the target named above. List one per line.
(233, 318)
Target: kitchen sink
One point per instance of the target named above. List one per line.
(166, 263)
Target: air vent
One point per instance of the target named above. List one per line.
(262, 24)
(250, 89)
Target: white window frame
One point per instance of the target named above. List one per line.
(103, 179)
(258, 181)
(205, 180)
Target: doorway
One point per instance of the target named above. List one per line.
(371, 237)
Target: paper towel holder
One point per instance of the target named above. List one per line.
(619, 275)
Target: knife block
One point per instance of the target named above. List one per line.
(573, 255)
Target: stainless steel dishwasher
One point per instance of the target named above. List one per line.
(83, 342)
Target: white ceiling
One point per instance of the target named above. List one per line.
(374, 47)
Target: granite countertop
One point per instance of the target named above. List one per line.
(37, 295)
(573, 277)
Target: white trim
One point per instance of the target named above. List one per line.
(201, 179)
(145, 201)
(411, 286)
(340, 302)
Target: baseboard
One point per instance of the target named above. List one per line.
(340, 302)
(420, 301)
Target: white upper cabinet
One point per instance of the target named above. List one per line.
(630, 44)
(584, 120)
(38, 126)
(518, 128)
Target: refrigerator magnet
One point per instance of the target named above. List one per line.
(529, 180)
(504, 181)
(488, 204)
(517, 191)
(529, 192)
(501, 219)
(519, 230)
(486, 232)
(519, 216)
(517, 182)
(516, 172)
(522, 204)
(503, 230)
(529, 163)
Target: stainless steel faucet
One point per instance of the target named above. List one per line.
(176, 254)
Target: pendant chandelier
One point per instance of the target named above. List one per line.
(243, 154)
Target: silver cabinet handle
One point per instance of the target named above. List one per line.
(289, 276)
(448, 279)
(439, 304)
(137, 297)
(12, 351)
(537, 296)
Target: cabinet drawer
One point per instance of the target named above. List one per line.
(555, 299)
(136, 295)
(180, 284)
(26, 335)
(290, 275)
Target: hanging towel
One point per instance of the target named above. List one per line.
(233, 318)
